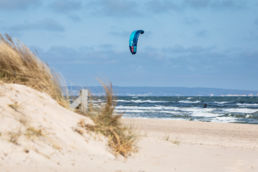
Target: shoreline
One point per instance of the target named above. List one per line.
(180, 119)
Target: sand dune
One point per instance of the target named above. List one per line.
(37, 134)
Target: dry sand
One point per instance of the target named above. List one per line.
(36, 134)
(175, 145)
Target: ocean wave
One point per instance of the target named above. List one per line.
(220, 102)
(196, 109)
(148, 108)
(170, 112)
(148, 117)
(157, 110)
(188, 101)
(241, 110)
(134, 111)
(204, 114)
(226, 109)
(247, 105)
(224, 119)
(142, 101)
(97, 101)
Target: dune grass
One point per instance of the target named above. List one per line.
(121, 138)
(19, 65)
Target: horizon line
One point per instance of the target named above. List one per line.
(238, 89)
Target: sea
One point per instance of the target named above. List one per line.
(225, 109)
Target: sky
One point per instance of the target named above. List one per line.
(188, 43)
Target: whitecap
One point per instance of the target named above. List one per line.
(196, 109)
(204, 114)
(142, 101)
(188, 101)
(247, 105)
(240, 110)
(220, 102)
(224, 119)
(131, 111)
(149, 108)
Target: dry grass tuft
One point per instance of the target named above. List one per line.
(14, 106)
(78, 130)
(19, 65)
(30, 133)
(176, 142)
(120, 138)
(14, 136)
(33, 132)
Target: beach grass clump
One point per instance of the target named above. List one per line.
(21, 66)
(121, 138)
(176, 142)
(33, 132)
(14, 137)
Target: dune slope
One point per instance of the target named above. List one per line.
(36, 133)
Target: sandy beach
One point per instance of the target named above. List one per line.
(37, 134)
(176, 145)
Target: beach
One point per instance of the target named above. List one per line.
(177, 145)
(37, 134)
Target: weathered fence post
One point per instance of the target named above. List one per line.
(81, 101)
(84, 100)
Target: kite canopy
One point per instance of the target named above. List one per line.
(133, 40)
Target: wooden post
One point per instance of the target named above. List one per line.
(82, 100)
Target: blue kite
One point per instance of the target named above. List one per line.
(133, 40)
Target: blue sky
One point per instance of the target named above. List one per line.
(190, 43)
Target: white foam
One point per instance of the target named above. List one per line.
(247, 105)
(142, 101)
(200, 112)
(129, 116)
(188, 101)
(241, 110)
(97, 101)
(196, 109)
(155, 109)
(170, 112)
(224, 119)
(204, 114)
(133, 111)
(247, 116)
(220, 102)
(123, 101)
(148, 108)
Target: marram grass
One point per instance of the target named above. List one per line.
(121, 138)
(19, 65)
